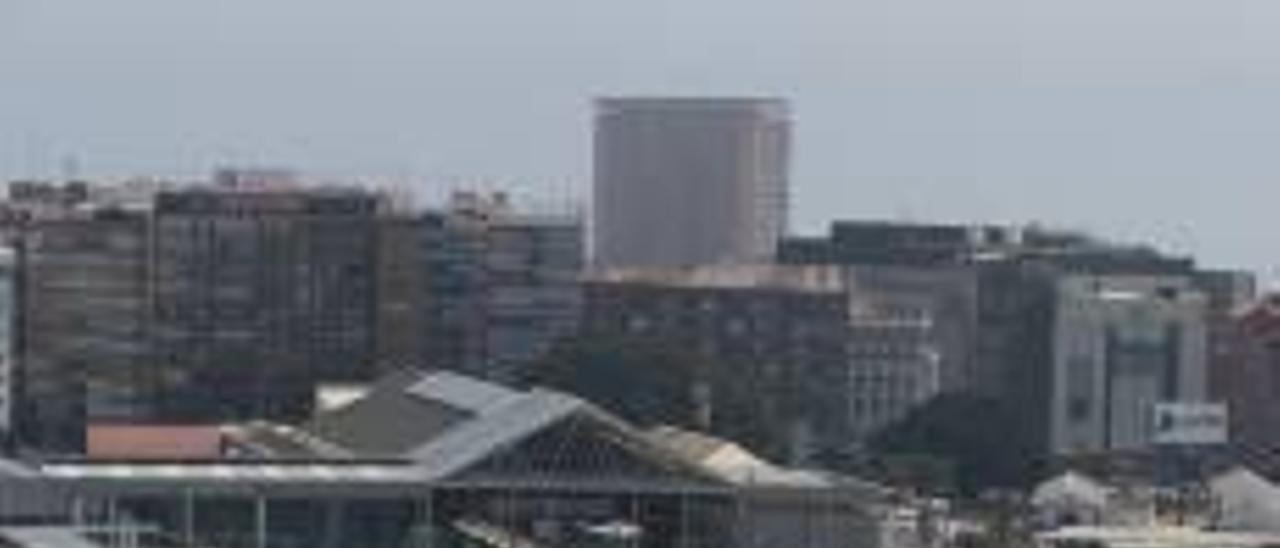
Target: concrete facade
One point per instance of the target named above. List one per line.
(1121, 345)
(84, 327)
(257, 295)
(784, 329)
(1249, 378)
(934, 309)
(894, 365)
(10, 304)
(687, 181)
(210, 304)
(845, 351)
(501, 284)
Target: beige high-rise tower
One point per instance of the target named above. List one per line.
(683, 181)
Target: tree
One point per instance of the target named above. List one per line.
(982, 439)
(652, 381)
(644, 381)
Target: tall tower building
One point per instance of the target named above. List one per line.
(686, 181)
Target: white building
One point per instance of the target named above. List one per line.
(1074, 499)
(1123, 344)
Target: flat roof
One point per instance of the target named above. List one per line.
(233, 472)
(824, 279)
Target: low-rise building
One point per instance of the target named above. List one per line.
(437, 459)
(1076, 499)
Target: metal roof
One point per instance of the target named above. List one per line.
(502, 419)
(500, 427)
(11, 469)
(46, 537)
(233, 471)
(462, 392)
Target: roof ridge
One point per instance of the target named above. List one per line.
(505, 425)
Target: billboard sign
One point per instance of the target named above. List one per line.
(1190, 424)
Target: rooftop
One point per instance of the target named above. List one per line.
(160, 442)
(800, 278)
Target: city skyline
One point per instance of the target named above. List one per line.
(664, 274)
(981, 113)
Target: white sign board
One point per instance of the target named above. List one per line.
(1190, 424)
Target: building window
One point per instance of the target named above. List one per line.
(1078, 409)
(637, 324)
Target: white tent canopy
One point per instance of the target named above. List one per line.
(1071, 487)
(1246, 501)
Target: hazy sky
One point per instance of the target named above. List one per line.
(1151, 119)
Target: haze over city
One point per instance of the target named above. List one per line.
(1144, 119)
(663, 274)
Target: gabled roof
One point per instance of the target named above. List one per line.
(263, 439)
(393, 419)
(734, 464)
(1246, 501)
(500, 426)
(445, 429)
(446, 423)
(462, 392)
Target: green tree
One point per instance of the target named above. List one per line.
(981, 439)
(653, 381)
(644, 381)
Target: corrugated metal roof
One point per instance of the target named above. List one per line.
(694, 446)
(732, 463)
(266, 439)
(502, 426)
(391, 421)
(462, 392)
(10, 469)
(46, 537)
(235, 472)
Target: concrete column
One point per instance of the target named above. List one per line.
(684, 520)
(77, 511)
(333, 523)
(260, 521)
(428, 520)
(635, 520)
(189, 519)
(113, 523)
